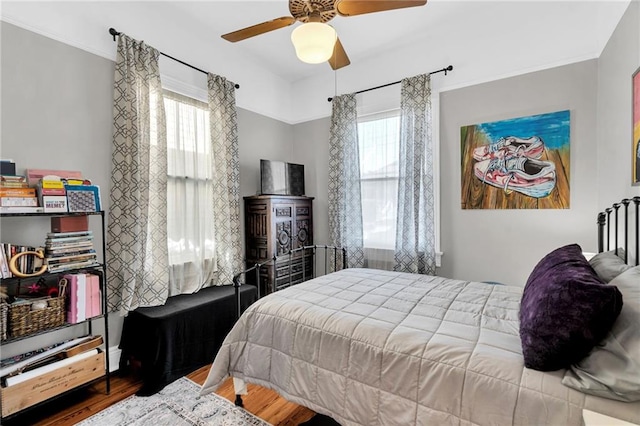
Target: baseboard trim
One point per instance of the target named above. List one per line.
(114, 358)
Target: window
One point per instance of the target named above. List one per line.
(190, 228)
(378, 138)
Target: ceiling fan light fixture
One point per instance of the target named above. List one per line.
(314, 42)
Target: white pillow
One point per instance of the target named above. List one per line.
(612, 369)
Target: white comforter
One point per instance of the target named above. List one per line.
(370, 347)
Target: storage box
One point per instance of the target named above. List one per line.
(55, 382)
(54, 203)
(83, 198)
(69, 224)
(7, 167)
(23, 320)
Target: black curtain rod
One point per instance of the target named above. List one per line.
(115, 33)
(444, 70)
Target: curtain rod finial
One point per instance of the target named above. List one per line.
(113, 33)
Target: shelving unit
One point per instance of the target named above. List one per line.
(101, 270)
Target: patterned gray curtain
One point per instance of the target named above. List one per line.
(415, 233)
(226, 189)
(137, 229)
(345, 205)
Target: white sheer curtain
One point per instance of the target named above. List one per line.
(378, 136)
(191, 244)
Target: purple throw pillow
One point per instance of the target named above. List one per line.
(565, 310)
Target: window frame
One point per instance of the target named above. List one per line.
(383, 107)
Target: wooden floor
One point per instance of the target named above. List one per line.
(79, 405)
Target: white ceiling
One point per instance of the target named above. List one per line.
(484, 40)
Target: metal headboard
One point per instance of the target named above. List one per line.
(604, 221)
(339, 255)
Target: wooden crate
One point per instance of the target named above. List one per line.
(45, 386)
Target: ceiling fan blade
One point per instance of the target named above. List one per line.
(360, 7)
(258, 29)
(339, 58)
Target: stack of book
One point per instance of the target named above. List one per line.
(16, 196)
(69, 250)
(84, 297)
(52, 194)
(26, 264)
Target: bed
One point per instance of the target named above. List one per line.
(371, 347)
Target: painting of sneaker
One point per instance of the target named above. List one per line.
(531, 147)
(531, 177)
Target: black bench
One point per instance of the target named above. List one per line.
(181, 336)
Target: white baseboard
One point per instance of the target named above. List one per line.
(114, 358)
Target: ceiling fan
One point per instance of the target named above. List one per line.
(314, 14)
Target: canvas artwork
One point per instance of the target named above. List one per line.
(518, 163)
(636, 127)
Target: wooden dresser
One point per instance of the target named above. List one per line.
(274, 225)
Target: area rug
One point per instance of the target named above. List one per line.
(176, 405)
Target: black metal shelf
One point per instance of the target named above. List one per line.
(96, 267)
(49, 330)
(101, 268)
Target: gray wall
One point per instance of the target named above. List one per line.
(498, 245)
(619, 60)
(505, 245)
(311, 148)
(56, 104)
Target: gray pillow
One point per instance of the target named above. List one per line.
(612, 369)
(608, 265)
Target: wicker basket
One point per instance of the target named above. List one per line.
(4, 310)
(23, 320)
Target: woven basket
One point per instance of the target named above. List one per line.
(4, 310)
(23, 320)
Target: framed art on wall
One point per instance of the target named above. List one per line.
(635, 155)
(516, 163)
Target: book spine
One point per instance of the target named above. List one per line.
(51, 191)
(68, 259)
(17, 192)
(72, 288)
(13, 178)
(4, 209)
(4, 265)
(10, 184)
(70, 239)
(18, 201)
(68, 252)
(95, 296)
(71, 265)
(68, 234)
(51, 184)
(82, 297)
